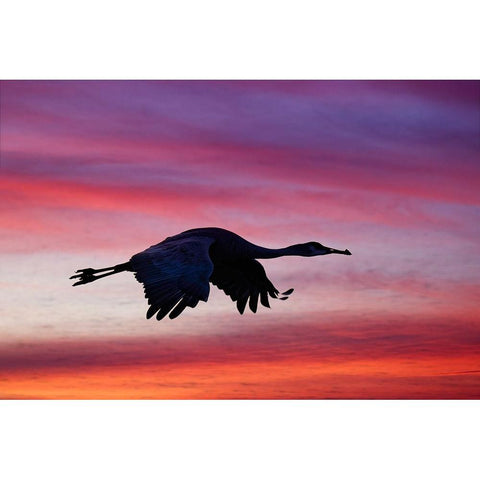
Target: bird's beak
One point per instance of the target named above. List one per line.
(342, 252)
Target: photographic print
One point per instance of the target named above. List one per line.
(240, 239)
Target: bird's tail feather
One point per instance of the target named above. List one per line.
(286, 294)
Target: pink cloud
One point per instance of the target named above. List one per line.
(381, 358)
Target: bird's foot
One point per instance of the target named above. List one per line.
(84, 271)
(86, 275)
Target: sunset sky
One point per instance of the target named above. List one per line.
(95, 171)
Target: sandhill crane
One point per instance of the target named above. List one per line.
(176, 272)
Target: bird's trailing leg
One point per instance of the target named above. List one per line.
(87, 275)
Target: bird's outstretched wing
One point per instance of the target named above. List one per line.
(174, 275)
(244, 282)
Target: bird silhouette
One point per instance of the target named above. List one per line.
(176, 273)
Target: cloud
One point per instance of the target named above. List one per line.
(298, 339)
(381, 137)
(304, 359)
(275, 212)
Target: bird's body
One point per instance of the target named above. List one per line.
(177, 272)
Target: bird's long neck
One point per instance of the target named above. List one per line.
(262, 252)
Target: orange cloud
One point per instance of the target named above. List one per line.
(391, 359)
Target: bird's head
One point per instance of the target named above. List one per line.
(312, 249)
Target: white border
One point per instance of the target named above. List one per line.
(252, 39)
(240, 439)
(248, 439)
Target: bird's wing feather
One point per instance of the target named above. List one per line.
(244, 282)
(174, 274)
